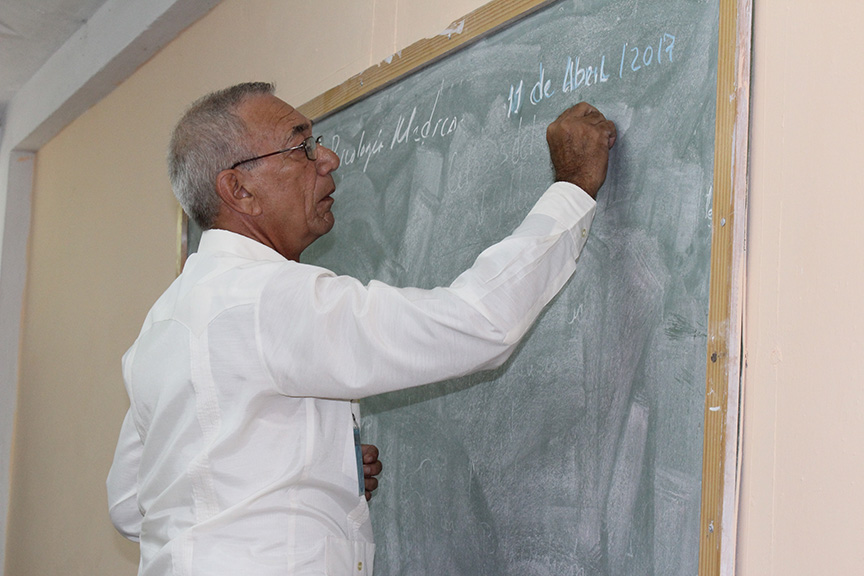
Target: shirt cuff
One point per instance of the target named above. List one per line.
(570, 207)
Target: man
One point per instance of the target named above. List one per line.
(238, 453)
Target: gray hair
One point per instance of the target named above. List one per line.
(209, 138)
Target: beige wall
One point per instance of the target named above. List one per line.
(802, 497)
(102, 249)
(103, 243)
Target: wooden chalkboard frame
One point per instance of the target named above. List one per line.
(721, 441)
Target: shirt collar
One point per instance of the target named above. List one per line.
(214, 240)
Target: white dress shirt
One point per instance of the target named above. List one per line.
(237, 455)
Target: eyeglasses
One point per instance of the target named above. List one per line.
(309, 146)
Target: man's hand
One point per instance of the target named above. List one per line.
(579, 143)
(371, 468)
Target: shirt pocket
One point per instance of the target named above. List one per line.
(348, 557)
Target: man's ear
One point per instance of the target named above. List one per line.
(230, 187)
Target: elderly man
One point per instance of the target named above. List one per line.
(238, 454)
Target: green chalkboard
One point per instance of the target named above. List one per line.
(583, 454)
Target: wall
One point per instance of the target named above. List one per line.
(802, 499)
(103, 244)
(102, 248)
(108, 48)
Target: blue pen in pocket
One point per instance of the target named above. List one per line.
(359, 452)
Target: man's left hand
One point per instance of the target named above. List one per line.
(371, 468)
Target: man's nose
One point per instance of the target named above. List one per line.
(327, 160)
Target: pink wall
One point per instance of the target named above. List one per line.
(803, 454)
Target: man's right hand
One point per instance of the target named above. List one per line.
(579, 143)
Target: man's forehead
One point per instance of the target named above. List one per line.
(274, 116)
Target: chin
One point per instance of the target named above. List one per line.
(326, 224)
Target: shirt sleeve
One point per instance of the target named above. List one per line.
(329, 336)
(122, 483)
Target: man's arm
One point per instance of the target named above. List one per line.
(379, 338)
(122, 483)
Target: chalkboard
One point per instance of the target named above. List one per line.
(583, 454)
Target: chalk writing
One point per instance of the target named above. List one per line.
(493, 153)
(575, 75)
(541, 89)
(443, 126)
(363, 151)
(582, 72)
(647, 55)
(514, 100)
(408, 129)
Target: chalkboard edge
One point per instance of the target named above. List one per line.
(723, 382)
(473, 27)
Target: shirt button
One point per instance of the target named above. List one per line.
(360, 566)
(584, 233)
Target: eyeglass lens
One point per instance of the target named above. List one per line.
(310, 146)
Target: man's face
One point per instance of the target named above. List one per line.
(294, 191)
